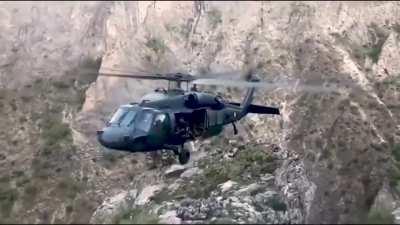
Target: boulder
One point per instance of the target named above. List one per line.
(190, 172)
(112, 206)
(249, 190)
(146, 193)
(174, 171)
(227, 186)
(170, 217)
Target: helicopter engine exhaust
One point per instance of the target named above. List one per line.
(196, 100)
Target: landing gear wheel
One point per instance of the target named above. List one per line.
(184, 156)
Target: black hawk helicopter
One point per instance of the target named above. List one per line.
(166, 119)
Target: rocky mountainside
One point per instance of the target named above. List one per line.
(329, 158)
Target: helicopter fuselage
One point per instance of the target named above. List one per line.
(168, 121)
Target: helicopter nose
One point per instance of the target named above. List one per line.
(100, 138)
(110, 138)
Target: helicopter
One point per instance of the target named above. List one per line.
(168, 118)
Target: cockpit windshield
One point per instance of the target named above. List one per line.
(128, 118)
(118, 115)
(140, 119)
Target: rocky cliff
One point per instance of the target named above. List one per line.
(329, 158)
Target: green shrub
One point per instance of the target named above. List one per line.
(69, 209)
(4, 179)
(277, 205)
(81, 98)
(374, 53)
(24, 180)
(379, 37)
(214, 17)
(8, 196)
(61, 84)
(396, 152)
(30, 193)
(157, 45)
(394, 171)
(31, 190)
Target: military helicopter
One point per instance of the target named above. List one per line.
(168, 118)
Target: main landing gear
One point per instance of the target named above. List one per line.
(183, 156)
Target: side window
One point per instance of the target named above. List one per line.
(220, 117)
(212, 118)
(159, 120)
(144, 121)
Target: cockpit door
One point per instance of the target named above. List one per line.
(160, 128)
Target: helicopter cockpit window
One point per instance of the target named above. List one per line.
(128, 118)
(144, 120)
(118, 115)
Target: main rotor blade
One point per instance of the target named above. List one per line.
(183, 76)
(235, 75)
(274, 85)
(149, 77)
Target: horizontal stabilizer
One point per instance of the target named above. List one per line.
(259, 109)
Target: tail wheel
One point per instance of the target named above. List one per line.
(184, 156)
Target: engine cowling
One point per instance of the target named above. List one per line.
(197, 100)
(191, 101)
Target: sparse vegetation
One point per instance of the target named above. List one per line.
(85, 206)
(69, 187)
(39, 107)
(378, 36)
(396, 27)
(247, 165)
(55, 131)
(42, 168)
(172, 28)
(137, 216)
(391, 82)
(380, 216)
(394, 172)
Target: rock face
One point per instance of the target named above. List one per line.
(112, 206)
(327, 157)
